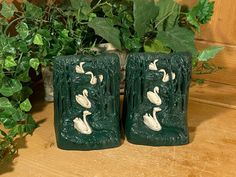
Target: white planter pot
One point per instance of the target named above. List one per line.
(47, 74)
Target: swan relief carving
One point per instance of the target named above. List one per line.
(154, 97)
(82, 126)
(83, 99)
(151, 121)
(152, 66)
(100, 78)
(166, 76)
(79, 68)
(93, 80)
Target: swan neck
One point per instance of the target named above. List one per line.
(156, 90)
(85, 121)
(154, 114)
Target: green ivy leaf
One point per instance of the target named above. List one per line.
(200, 13)
(193, 21)
(64, 33)
(10, 86)
(178, 39)
(34, 63)
(7, 122)
(9, 62)
(209, 53)
(24, 76)
(33, 11)
(38, 40)
(5, 103)
(26, 105)
(156, 46)
(23, 94)
(81, 4)
(83, 7)
(205, 11)
(7, 10)
(168, 14)
(23, 47)
(144, 12)
(23, 30)
(104, 28)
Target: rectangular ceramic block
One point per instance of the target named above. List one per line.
(156, 98)
(86, 102)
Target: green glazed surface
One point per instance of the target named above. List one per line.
(174, 96)
(104, 97)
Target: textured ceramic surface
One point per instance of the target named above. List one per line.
(156, 98)
(86, 102)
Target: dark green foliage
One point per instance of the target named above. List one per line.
(174, 96)
(104, 97)
(201, 13)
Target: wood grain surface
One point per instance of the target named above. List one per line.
(211, 151)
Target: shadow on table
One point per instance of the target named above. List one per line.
(8, 166)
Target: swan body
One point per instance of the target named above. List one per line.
(154, 97)
(83, 99)
(82, 126)
(79, 68)
(151, 121)
(152, 66)
(93, 80)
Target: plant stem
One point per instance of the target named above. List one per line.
(13, 21)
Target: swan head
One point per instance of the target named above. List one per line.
(156, 89)
(85, 92)
(86, 113)
(157, 109)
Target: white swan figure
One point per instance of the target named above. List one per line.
(173, 75)
(79, 68)
(151, 121)
(83, 99)
(100, 77)
(166, 77)
(82, 126)
(152, 66)
(154, 97)
(93, 80)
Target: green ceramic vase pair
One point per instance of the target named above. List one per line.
(87, 100)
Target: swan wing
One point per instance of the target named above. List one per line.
(151, 123)
(80, 125)
(154, 98)
(83, 101)
(152, 67)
